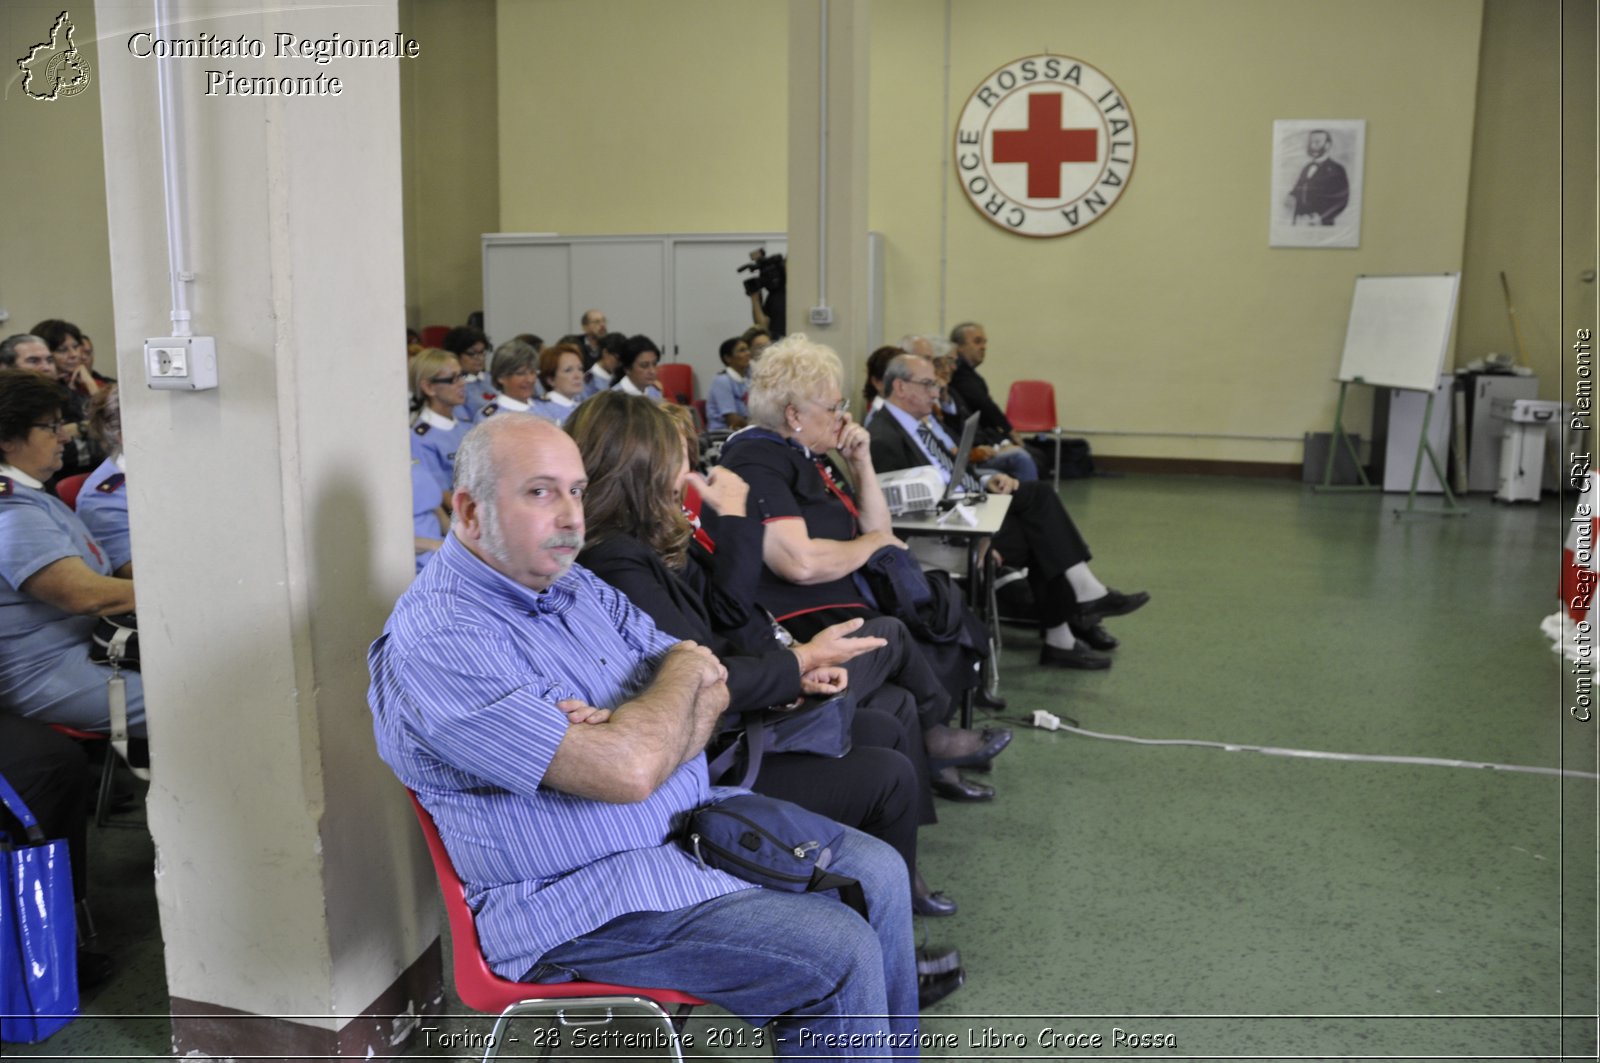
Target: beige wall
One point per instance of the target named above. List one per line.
(449, 143)
(52, 189)
(1171, 314)
(625, 116)
(1514, 216)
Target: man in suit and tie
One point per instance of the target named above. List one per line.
(1323, 189)
(1037, 531)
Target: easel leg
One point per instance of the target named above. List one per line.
(1451, 508)
(1339, 436)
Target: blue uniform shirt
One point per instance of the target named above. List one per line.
(727, 396)
(480, 392)
(555, 407)
(434, 440)
(45, 671)
(464, 683)
(103, 508)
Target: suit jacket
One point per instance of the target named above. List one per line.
(975, 393)
(1324, 192)
(893, 449)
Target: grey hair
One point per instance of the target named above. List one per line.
(9, 345)
(938, 347)
(477, 475)
(957, 334)
(511, 356)
(899, 368)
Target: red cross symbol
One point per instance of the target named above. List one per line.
(1044, 145)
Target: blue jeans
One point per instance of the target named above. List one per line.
(1017, 464)
(804, 963)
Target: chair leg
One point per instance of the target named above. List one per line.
(1057, 469)
(102, 806)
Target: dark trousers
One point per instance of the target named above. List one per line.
(1038, 534)
(50, 773)
(873, 788)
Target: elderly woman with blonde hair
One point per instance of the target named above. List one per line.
(818, 530)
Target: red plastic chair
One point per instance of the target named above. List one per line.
(1031, 407)
(433, 335)
(677, 382)
(67, 490)
(482, 990)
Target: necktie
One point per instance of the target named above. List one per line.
(935, 446)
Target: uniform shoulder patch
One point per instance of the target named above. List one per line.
(111, 483)
(421, 429)
(490, 410)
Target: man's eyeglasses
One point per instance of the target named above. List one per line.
(446, 380)
(53, 427)
(930, 383)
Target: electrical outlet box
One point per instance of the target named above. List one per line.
(822, 315)
(181, 363)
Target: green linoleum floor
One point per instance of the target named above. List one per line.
(1327, 903)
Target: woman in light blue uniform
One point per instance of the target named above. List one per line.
(600, 375)
(437, 389)
(471, 348)
(515, 373)
(561, 372)
(726, 410)
(103, 499)
(54, 578)
(636, 375)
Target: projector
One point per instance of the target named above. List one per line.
(912, 490)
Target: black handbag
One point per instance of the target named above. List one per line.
(815, 725)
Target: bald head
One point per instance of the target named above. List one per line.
(519, 498)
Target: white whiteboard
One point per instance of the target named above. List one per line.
(1399, 330)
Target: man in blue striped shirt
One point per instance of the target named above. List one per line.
(555, 735)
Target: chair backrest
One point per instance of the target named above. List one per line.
(433, 335)
(1031, 406)
(677, 382)
(476, 983)
(67, 489)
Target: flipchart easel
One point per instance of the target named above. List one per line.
(1397, 337)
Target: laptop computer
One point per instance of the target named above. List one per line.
(969, 432)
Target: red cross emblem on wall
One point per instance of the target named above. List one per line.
(1044, 145)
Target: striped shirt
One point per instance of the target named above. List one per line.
(464, 683)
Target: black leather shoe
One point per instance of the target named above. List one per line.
(950, 785)
(933, 904)
(1112, 603)
(932, 959)
(1097, 637)
(994, 739)
(932, 988)
(1079, 656)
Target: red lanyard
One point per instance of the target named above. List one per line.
(827, 478)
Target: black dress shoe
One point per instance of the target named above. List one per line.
(1112, 603)
(932, 988)
(1095, 635)
(933, 904)
(932, 959)
(950, 785)
(994, 739)
(1079, 656)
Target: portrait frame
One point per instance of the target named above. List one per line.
(1317, 206)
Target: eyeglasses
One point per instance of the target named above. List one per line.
(930, 383)
(53, 427)
(526, 370)
(447, 380)
(838, 409)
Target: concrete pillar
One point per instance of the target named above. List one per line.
(828, 80)
(271, 532)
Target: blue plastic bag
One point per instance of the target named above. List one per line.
(38, 933)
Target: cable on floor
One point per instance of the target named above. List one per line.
(1050, 722)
